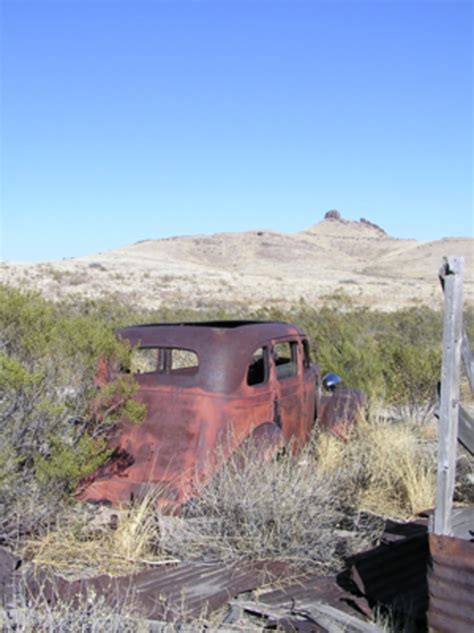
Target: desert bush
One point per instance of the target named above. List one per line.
(411, 373)
(48, 429)
(34, 612)
(389, 468)
(286, 509)
(464, 488)
(411, 342)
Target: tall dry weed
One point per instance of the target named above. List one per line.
(80, 547)
(389, 467)
(284, 509)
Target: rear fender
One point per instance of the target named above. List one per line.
(340, 411)
(266, 440)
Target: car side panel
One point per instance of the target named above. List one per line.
(184, 438)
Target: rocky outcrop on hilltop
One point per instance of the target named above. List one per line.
(334, 214)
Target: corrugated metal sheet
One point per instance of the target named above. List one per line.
(451, 585)
(191, 588)
(311, 603)
(179, 592)
(306, 590)
(462, 520)
(395, 531)
(395, 574)
(304, 596)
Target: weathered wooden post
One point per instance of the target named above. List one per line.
(451, 275)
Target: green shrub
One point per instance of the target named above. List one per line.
(50, 417)
(68, 464)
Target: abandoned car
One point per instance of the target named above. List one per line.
(208, 387)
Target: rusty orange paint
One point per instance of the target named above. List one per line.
(196, 419)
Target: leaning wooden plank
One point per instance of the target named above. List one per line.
(467, 358)
(466, 430)
(451, 273)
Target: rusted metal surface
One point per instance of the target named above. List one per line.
(395, 531)
(308, 589)
(339, 411)
(451, 584)
(314, 617)
(196, 419)
(311, 603)
(183, 592)
(389, 574)
(176, 593)
(395, 574)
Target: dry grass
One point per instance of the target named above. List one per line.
(38, 607)
(83, 547)
(389, 467)
(38, 615)
(284, 509)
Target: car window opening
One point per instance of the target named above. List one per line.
(285, 357)
(163, 360)
(257, 372)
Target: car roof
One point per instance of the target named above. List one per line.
(208, 332)
(224, 348)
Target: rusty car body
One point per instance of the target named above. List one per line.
(208, 387)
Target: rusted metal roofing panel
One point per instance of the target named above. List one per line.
(315, 617)
(179, 592)
(451, 584)
(395, 574)
(191, 588)
(307, 590)
(395, 531)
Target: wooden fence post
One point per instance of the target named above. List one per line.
(451, 273)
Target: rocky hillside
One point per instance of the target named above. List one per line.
(257, 268)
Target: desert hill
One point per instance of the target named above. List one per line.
(257, 268)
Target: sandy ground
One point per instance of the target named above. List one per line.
(258, 268)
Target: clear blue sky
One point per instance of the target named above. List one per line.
(127, 120)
